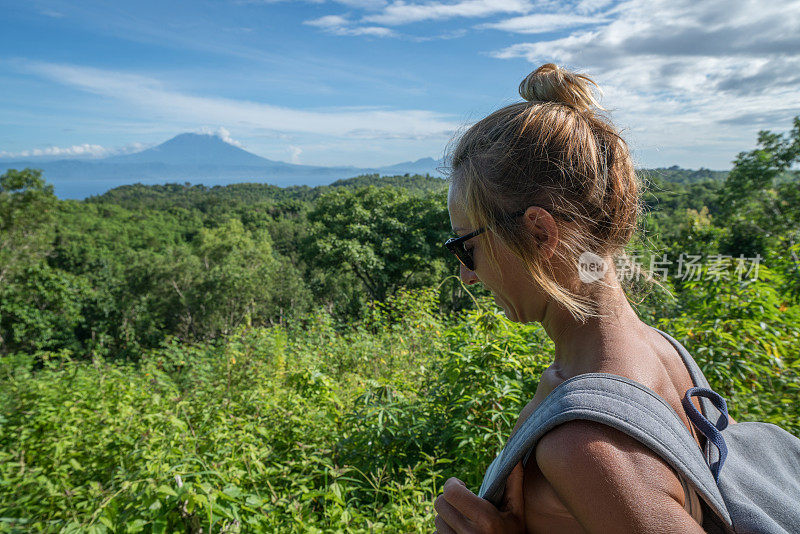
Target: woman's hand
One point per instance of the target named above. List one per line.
(462, 512)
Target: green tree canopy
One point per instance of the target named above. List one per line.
(26, 207)
(759, 207)
(387, 237)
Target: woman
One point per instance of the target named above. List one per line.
(538, 188)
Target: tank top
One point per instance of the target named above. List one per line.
(692, 501)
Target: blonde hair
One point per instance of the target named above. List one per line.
(554, 150)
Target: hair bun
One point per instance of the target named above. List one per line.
(551, 83)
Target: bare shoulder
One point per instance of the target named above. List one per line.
(599, 448)
(610, 482)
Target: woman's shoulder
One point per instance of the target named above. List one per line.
(603, 476)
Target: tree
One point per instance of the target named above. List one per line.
(26, 209)
(225, 277)
(758, 210)
(26, 206)
(40, 309)
(387, 237)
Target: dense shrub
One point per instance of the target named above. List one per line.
(314, 429)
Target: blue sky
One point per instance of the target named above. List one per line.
(373, 82)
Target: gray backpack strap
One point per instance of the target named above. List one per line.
(620, 403)
(709, 411)
(698, 378)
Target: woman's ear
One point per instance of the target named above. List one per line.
(543, 228)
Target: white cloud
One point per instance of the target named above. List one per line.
(401, 12)
(558, 15)
(295, 152)
(222, 133)
(339, 25)
(52, 13)
(542, 22)
(75, 150)
(590, 6)
(328, 21)
(455, 34)
(225, 135)
(151, 96)
(85, 150)
(680, 73)
(364, 4)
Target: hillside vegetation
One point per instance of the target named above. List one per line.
(256, 359)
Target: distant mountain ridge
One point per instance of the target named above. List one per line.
(209, 160)
(196, 158)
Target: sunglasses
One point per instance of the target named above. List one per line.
(456, 245)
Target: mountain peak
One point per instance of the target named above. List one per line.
(194, 149)
(195, 137)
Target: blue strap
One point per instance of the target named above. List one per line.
(712, 433)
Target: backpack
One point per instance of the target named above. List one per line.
(747, 475)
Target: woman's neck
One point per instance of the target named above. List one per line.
(582, 346)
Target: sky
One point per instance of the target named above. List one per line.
(375, 82)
